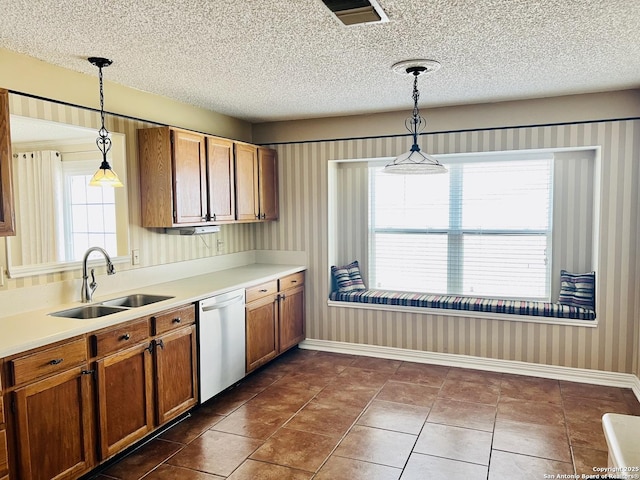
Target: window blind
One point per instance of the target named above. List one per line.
(482, 229)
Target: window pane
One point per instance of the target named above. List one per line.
(506, 195)
(505, 266)
(405, 201)
(415, 263)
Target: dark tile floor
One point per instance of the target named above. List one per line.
(325, 416)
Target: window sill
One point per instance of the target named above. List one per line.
(453, 312)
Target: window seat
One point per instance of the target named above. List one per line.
(473, 304)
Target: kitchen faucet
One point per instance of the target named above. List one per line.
(88, 288)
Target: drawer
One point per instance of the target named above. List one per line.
(172, 319)
(4, 464)
(290, 281)
(48, 362)
(262, 290)
(121, 336)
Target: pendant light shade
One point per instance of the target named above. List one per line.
(415, 162)
(105, 176)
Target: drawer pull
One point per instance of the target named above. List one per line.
(126, 336)
(56, 361)
(263, 290)
(294, 281)
(177, 320)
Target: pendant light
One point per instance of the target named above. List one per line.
(415, 162)
(105, 176)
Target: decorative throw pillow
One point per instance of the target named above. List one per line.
(347, 278)
(578, 289)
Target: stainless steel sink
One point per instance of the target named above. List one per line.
(88, 311)
(108, 307)
(135, 300)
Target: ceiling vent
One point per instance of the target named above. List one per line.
(353, 12)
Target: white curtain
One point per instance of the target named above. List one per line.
(37, 178)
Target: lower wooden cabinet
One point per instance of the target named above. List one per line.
(53, 423)
(176, 373)
(261, 331)
(148, 384)
(274, 319)
(74, 405)
(125, 398)
(291, 317)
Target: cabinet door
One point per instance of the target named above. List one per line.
(189, 177)
(261, 331)
(125, 403)
(7, 216)
(4, 462)
(268, 183)
(292, 323)
(53, 426)
(222, 202)
(246, 170)
(176, 373)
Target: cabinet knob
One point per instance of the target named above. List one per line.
(126, 336)
(177, 320)
(56, 361)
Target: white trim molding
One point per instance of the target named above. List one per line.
(555, 372)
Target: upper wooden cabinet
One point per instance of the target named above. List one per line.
(187, 178)
(256, 183)
(7, 215)
(173, 177)
(246, 166)
(222, 202)
(267, 183)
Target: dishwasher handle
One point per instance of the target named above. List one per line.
(224, 304)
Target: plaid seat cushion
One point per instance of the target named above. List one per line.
(451, 302)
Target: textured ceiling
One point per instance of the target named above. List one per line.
(264, 60)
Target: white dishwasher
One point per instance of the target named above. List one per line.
(221, 342)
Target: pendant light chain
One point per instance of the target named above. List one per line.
(414, 161)
(103, 141)
(105, 176)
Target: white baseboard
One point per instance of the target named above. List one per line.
(583, 375)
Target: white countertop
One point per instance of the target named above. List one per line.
(36, 328)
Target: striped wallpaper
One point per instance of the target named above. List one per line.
(155, 248)
(612, 346)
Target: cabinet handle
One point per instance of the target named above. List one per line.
(264, 215)
(294, 281)
(126, 336)
(56, 361)
(283, 296)
(258, 216)
(87, 372)
(214, 217)
(160, 343)
(177, 320)
(263, 290)
(150, 347)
